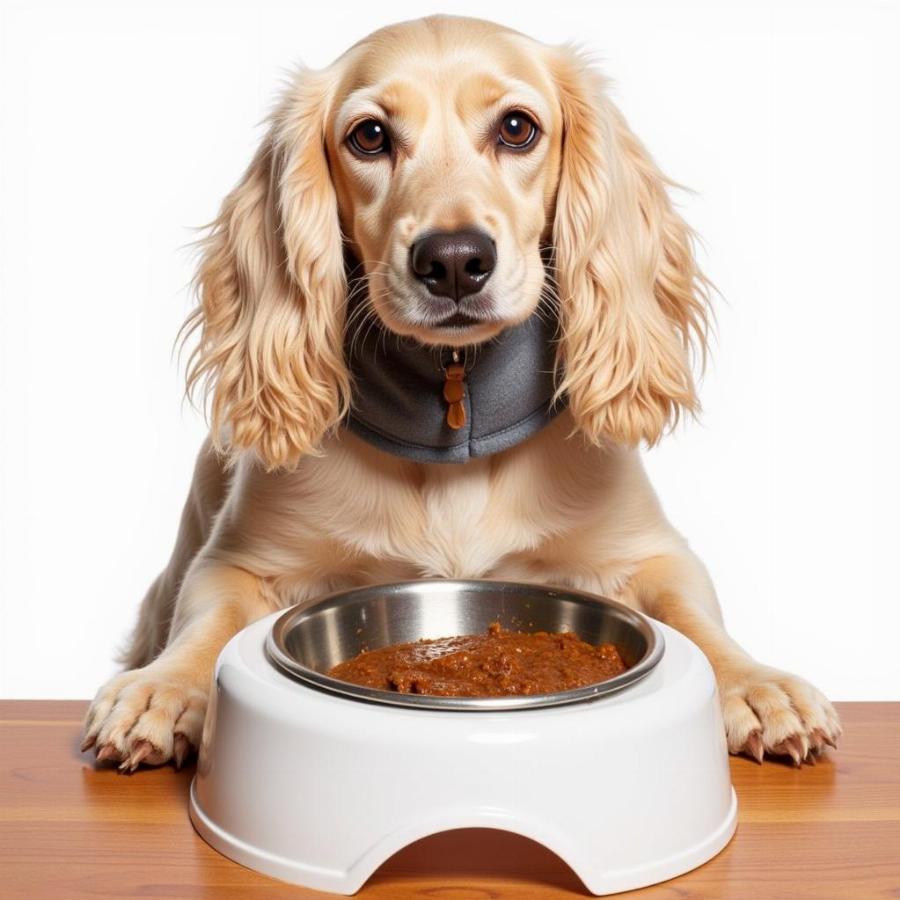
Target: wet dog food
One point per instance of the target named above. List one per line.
(499, 663)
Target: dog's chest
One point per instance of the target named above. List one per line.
(455, 538)
(356, 514)
(438, 520)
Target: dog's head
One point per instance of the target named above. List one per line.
(457, 174)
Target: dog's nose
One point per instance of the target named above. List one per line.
(453, 263)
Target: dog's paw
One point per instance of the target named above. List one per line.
(771, 712)
(144, 716)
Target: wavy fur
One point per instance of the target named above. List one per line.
(272, 292)
(632, 296)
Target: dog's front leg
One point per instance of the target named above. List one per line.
(155, 713)
(765, 710)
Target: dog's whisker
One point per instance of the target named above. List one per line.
(360, 315)
(370, 315)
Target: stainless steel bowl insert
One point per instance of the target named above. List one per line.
(308, 640)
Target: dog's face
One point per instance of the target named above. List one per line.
(445, 155)
(470, 171)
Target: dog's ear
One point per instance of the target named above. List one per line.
(632, 298)
(272, 293)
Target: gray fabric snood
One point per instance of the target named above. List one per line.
(398, 404)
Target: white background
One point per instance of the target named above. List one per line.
(123, 126)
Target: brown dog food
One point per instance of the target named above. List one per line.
(497, 664)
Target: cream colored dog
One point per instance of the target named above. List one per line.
(441, 123)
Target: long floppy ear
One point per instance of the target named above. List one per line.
(272, 292)
(632, 298)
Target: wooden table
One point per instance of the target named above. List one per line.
(68, 829)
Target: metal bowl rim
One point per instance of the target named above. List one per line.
(288, 665)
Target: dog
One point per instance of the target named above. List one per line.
(444, 182)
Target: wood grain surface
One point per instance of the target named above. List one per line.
(68, 829)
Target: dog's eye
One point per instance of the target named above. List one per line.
(369, 137)
(517, 131)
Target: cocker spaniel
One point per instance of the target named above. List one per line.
(443, 184)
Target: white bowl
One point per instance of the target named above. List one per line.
(319, 788)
